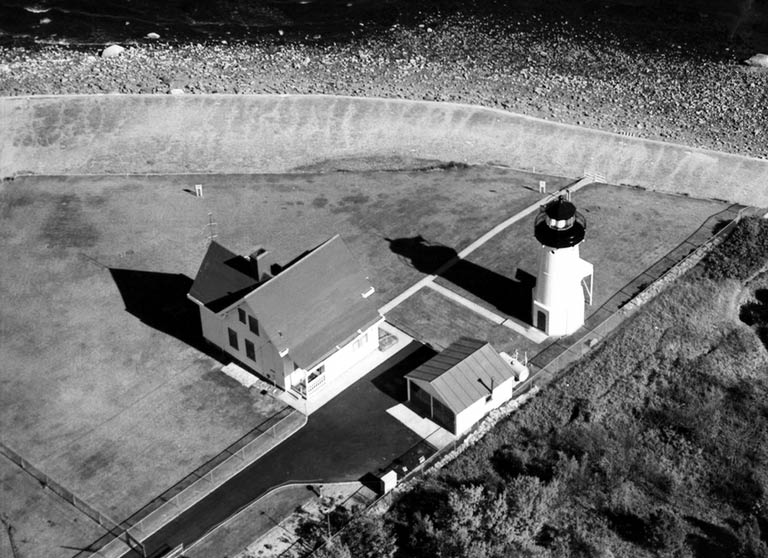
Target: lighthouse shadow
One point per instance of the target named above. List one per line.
(512, 297)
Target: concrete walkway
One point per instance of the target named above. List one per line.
(432, 433)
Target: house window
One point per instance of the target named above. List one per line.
(488, 398)
(253, 324)
(241, 314)
(250, 350)
(233, 338)
(320, 369)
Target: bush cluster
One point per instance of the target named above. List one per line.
(742, 254)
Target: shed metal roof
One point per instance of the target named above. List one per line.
(465, 372)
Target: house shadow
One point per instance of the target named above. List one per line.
(512, 297)
(160, 301)
(392, 380)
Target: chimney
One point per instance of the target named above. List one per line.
(262, 263)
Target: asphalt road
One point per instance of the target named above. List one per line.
(350, 436)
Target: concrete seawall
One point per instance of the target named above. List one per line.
(116, 134)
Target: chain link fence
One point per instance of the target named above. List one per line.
(198, 484)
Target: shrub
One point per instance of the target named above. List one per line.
(743, 252)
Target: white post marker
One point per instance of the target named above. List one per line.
(542, 187)
(199, 190)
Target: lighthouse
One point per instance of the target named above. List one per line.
(559, 296)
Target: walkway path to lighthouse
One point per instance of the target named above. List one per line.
(514, 324)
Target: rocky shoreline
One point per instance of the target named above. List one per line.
(670, 86)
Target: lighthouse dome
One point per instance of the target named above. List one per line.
(559, 225)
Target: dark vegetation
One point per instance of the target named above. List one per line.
(364, 537)
(656, 444)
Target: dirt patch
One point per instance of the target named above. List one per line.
(319, 202)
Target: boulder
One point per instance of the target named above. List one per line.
(111, 51)
(759, 60)
(153, 36)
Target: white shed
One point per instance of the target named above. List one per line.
(459, 386)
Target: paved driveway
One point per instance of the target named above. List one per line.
(350, 436)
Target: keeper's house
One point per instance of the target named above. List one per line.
(300, 326)
(459, 386)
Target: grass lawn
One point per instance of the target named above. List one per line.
(439, 321)
(42, 523)
(116, 405)
(290, 214)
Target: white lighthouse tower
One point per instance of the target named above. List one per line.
(558, 300)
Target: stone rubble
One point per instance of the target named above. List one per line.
(571, 71)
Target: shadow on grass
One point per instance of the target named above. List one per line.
(512, 297)
(755, 314)
(160, 301)
(713, 541)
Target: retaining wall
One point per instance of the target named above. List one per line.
(126, 134)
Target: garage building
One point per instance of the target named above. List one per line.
(459, 386)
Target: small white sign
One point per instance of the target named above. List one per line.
(199, 190)
(542, 186)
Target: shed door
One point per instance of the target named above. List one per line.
(420, 401)
(443, 416)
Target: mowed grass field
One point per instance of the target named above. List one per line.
(115, 405)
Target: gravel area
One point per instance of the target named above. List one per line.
(670, 79)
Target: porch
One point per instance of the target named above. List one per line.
(309, 395)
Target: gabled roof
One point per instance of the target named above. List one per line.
(462, 374)
(316, 304)
(223, 278)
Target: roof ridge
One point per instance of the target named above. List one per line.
(282, 273)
